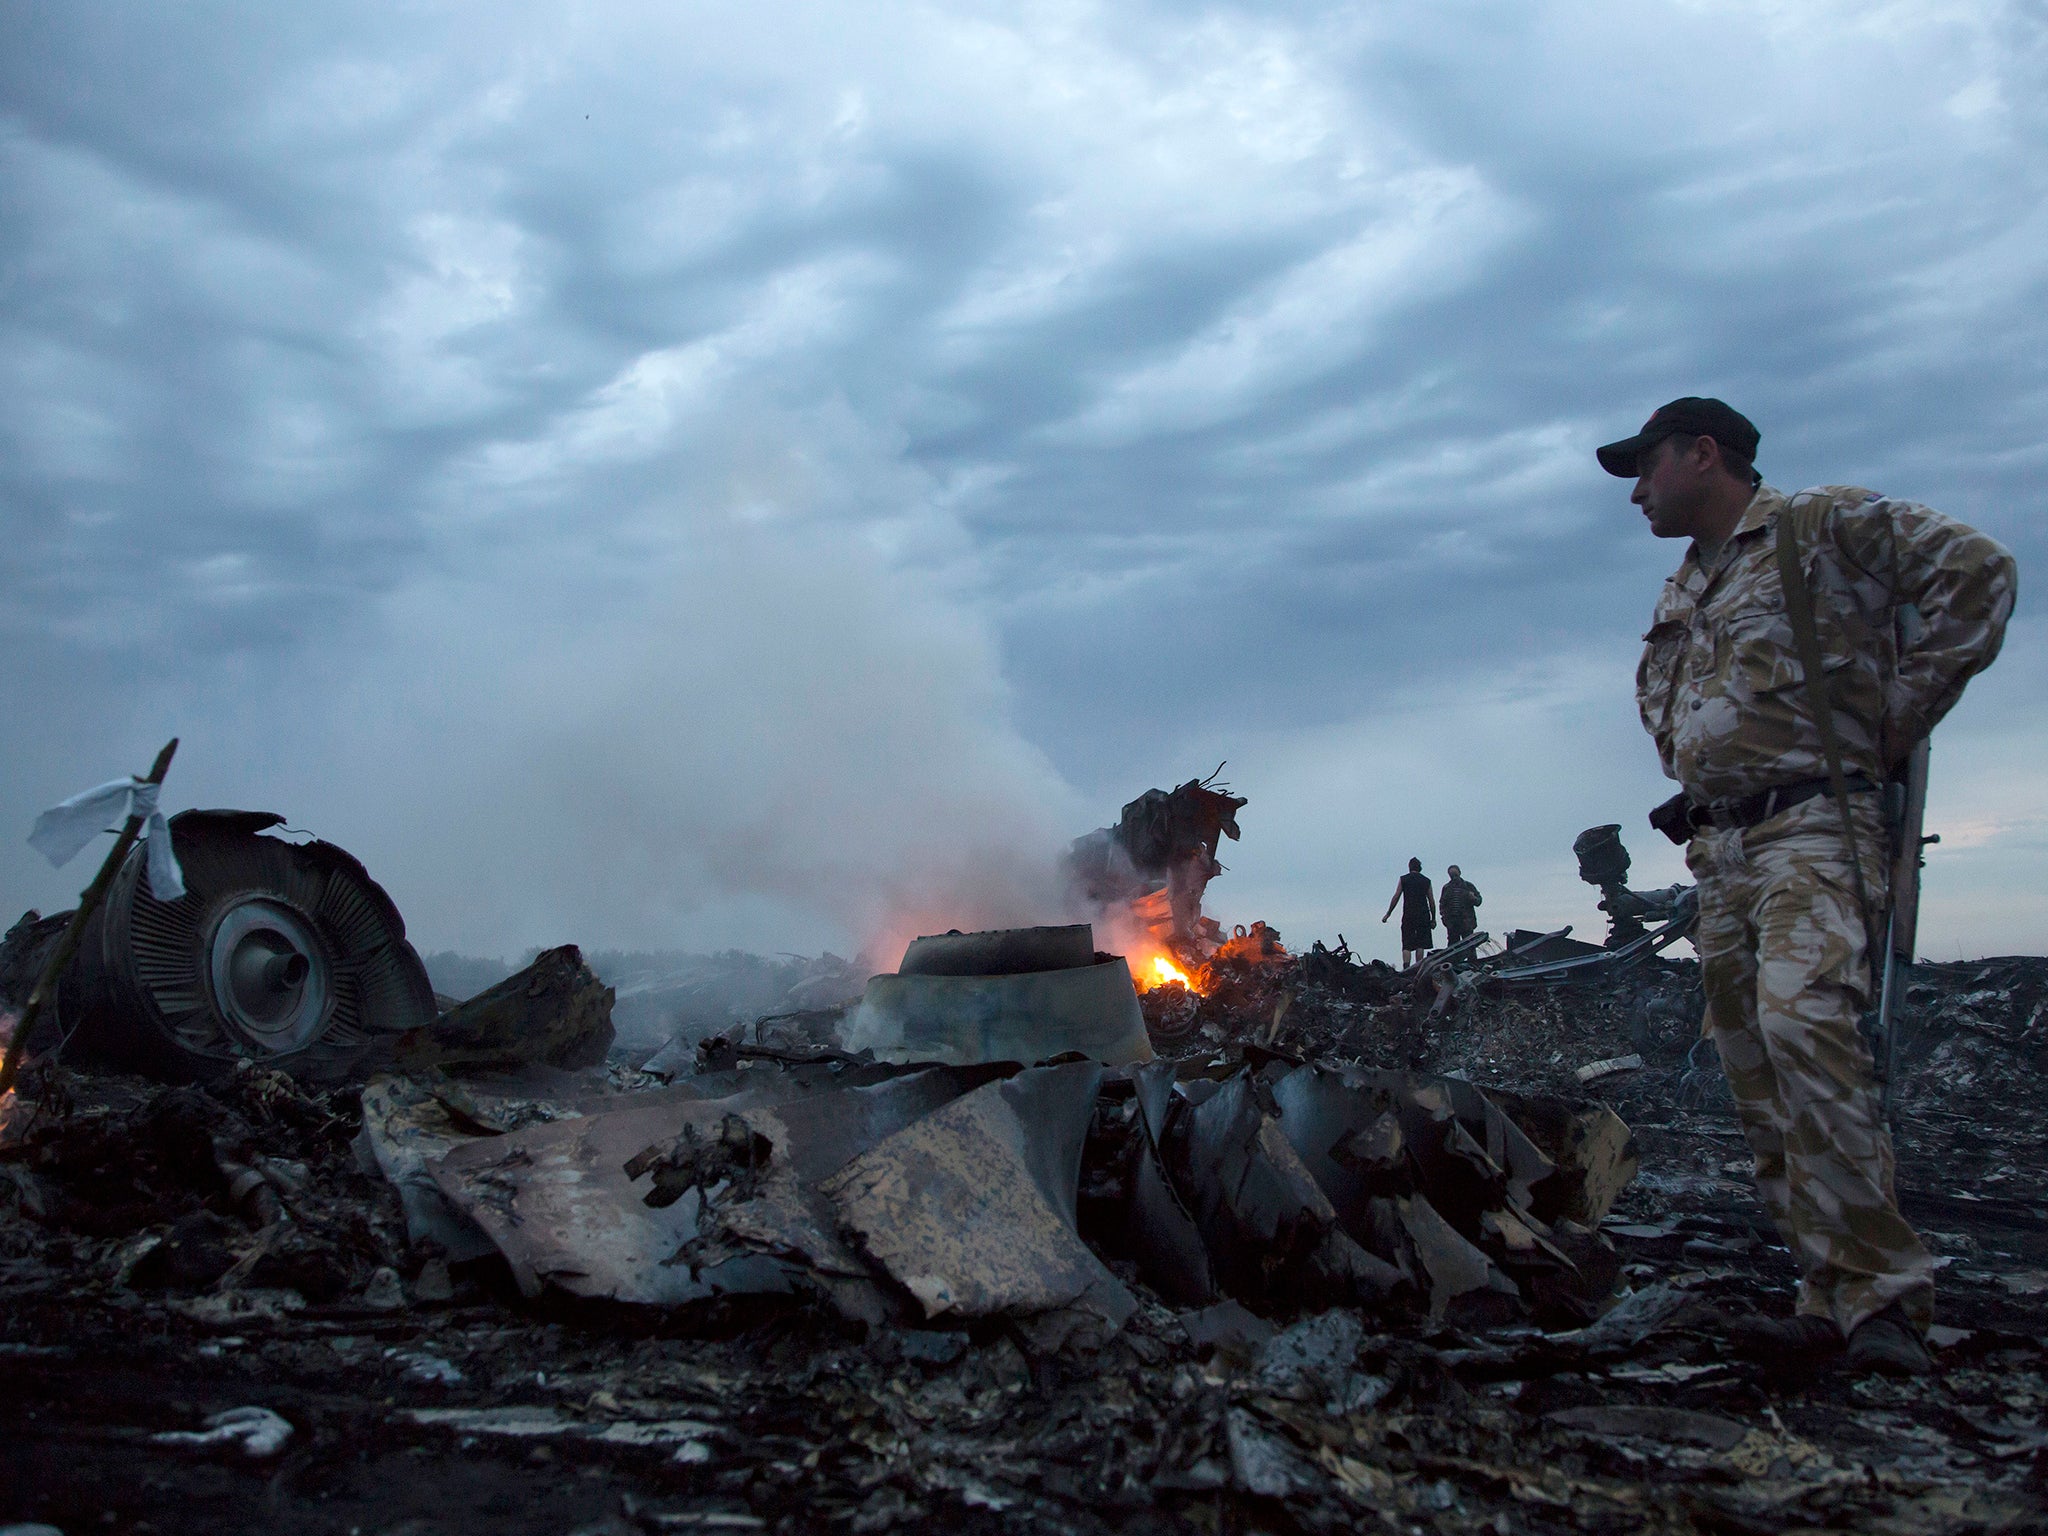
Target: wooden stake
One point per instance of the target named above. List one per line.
(67, 946)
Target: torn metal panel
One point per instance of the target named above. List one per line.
(972, 1209)
(520, 1422)
(1026, 1017)
(1563, 1271)
(1467, 1153)
(1350, 1140)
(1505, 1144)
(1598, 1160)
(825, 1131)
(1527, 947)
(1601, 1158)
(405, 1129)
(1633, 1319)
(1428, 1175)
(1236, 1210)
(1230, 1329)
(783, 1212)
(1592, 1151)
(1370, 1134)
(1344, 1272)
(410, 1123)
(1165, 1237)
(1679, 1426)
(1261, 1213)
(1464, 1283)
(554, 1012)
(559, 1203)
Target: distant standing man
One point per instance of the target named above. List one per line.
(1418, 913)
(1907, 605)
(1459, 902)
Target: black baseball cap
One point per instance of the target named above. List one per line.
(1694, 416)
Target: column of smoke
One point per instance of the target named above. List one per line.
(769, 742)
(1118, 931)
(804, 729)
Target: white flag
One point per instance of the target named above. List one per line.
(62, 830)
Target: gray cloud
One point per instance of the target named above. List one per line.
(671, 474)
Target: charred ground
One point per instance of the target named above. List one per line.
(139, 1301)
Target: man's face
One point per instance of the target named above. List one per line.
(1671, 488)
(1453, 871)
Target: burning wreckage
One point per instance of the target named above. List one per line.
(1286, 1242)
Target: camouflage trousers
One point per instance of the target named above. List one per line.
(1784, 958)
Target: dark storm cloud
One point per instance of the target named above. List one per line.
(896, 418)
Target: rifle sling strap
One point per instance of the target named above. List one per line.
(1799, 607)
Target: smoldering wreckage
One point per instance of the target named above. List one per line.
(1270, 1240)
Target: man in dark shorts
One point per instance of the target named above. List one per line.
(1418, 914)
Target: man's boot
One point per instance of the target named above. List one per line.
(1790, 1342)
(1888, 1345)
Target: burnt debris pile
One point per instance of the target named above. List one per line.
(1281, 1185)
(995, 1240)
(1159, 859)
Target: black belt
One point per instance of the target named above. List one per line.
(1748, 810)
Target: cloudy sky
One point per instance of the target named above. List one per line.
(687, 475)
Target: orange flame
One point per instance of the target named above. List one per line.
(1164, 970)
(1157, 969)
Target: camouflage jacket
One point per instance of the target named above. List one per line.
(1458, 901)
(1909, 604)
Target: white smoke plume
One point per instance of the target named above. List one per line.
(778, 742)
(710, 721)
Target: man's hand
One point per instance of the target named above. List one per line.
(1383, 919)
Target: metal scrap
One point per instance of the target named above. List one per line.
(568, 1205)
(286, 954)
(1593, 1071)
(1166, 1242)
(944, 1003)
(972, 1208)
(1159, 859)
(555, 1013)
(784, 1416)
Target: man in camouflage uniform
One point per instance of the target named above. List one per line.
(1458, 902)
(1908, 605)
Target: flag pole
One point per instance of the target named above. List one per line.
(67, 946)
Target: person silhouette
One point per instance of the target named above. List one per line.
(1418, 913)
(1458, 901)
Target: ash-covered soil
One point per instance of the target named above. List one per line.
(143, 1292)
